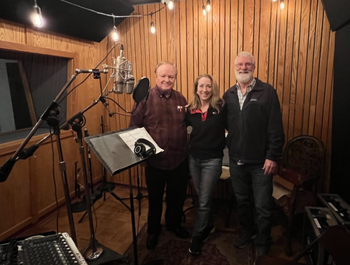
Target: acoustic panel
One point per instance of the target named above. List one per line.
(68, 18)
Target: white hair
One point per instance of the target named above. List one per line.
(245, 54)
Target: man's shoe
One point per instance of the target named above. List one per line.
(207, 231)
(196, 245)
(244, 239)
(180, 233)
(152, 241)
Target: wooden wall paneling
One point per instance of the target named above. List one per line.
(315, 72)
(280, 80)
(327, 124)
(163, 33)
(15, 194)
(261, 39)
(171, 29)
(177, 61)
(248, 25)
(197, 16)
(158, 34)
(241, 21)
(203, 45)
(310, 45)
(272, 51)
(210, 40)
(182, 77)
(154, 56)
(258, 15)
(322, 81)
(143, 67)
(302, 68)
(298, 66)
(221, 40)
(216, 42)
(189, 50)
(227, 44)
(233, 43)
(288, 66)
(12, 31)
(146, 58)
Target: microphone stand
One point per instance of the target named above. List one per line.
(50, 115)
(94, 249)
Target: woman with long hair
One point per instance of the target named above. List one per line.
(206, 143)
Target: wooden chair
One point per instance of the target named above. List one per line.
(295, 185)
(335, 240)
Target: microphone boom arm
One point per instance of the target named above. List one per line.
(5, 169)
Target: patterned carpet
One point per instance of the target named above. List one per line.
(217, 250)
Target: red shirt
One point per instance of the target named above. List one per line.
(163, 116)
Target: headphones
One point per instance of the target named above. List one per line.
(140, 148)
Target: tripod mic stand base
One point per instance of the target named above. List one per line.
(78, 207)
(108, 256)
(93, 255)
(93, 251)
(106, 187)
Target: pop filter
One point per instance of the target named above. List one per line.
(141, 90)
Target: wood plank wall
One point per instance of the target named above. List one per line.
(29, 191)
(293, 47)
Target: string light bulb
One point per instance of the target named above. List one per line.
(208, 6)
(274, 0)
(204, 10)
(114, 34)
(170, 4)
(153, 28)
(282, 4)
(36, 16)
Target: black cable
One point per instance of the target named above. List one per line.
(104, 58)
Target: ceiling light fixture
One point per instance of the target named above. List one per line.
(37, 17)
(115, 35)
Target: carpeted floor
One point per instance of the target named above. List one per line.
(217, 250)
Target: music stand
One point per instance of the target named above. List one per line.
(115, 152)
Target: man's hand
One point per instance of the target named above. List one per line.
(270, 167)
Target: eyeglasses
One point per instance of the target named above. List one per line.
(247, 65)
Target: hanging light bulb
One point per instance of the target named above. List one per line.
(204, 10)
(274, 0)
(170, 5)
(282, 4)
(208, 6)
(115, 35)
(153, 28)
(37, 17)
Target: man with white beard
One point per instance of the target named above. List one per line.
(255, 140)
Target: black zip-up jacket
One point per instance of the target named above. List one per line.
(207, 138)
(255, 133)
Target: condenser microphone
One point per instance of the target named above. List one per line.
(83, 71)
(118, 78)
(130, 80)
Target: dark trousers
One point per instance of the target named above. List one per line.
(175, 184)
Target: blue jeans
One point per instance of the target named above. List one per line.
(249, 181)
(205, 174)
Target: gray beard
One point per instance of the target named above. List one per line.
(243, 78)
